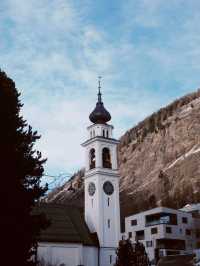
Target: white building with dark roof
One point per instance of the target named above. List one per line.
(67, 241)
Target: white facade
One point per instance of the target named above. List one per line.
(66, 254)
(102, 213)
(155, 227)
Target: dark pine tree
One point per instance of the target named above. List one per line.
(129, 254)
(140, 255)
(125, 253)
(21, 172)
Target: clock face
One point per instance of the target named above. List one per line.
(108, 188)
(91, 188)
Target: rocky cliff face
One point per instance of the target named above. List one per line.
(159, 161)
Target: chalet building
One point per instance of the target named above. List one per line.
(90, 239)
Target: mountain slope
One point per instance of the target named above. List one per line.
(158, 161)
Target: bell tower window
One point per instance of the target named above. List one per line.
(92, 159)
(106, 158)
(107, 134)
(103, 133)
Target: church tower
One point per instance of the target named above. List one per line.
(102, 213)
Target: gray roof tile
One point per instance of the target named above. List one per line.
(67, 224)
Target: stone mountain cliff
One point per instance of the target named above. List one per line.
(159, 161)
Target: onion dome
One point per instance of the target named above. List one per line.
(99, 115)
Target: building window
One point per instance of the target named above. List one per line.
(110, 259)
(154, 230)
(108, 223)
(181, 230)
(103, 133)
(172, 252)
(184, 220)
(106, 158)
(168, 230)
(170, 243)
(107, 134)
(133, 222)
(161, 218)
(197, 233)
(188, 232)
(130, 235)
(198, 244)
(108, 202)
(149, 244)
(92, 159)
(139, 235)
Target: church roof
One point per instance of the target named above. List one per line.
(100, 115)
(67, 225)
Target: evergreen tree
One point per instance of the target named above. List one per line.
(129, 254)
(125, 254)
(140, 255)
(21, 172)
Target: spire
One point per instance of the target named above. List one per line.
(99, 115)
(99, 87)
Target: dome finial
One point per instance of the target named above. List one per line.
(99, 87)
(99, 115)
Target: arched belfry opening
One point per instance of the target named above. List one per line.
(92, 159)
(106, 158)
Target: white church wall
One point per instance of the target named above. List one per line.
(61, 254)
(97, 205)
(110, 212)
(92, 206)
(103, 130)
(107, 256)
(90, 256)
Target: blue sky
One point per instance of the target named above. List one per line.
(148, 52)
